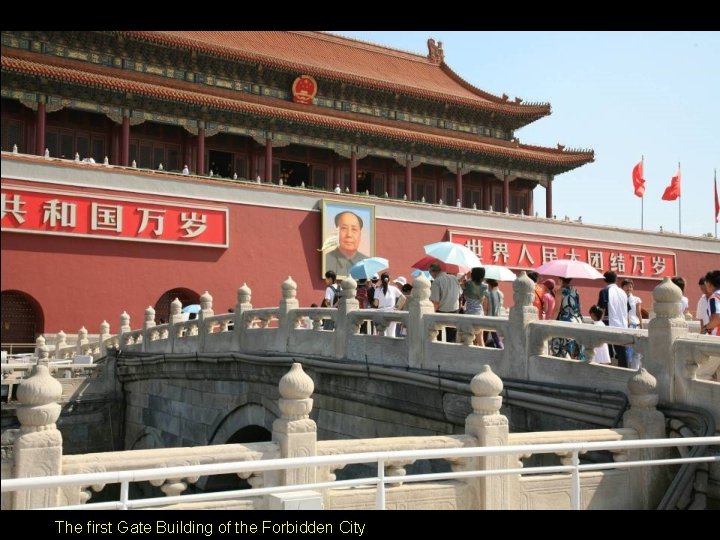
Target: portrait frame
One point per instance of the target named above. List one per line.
(331, 258)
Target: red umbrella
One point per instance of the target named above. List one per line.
(427, 260)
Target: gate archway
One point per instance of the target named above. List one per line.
(22, 321)
(162, 306)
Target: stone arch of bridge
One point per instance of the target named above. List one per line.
(234, 427)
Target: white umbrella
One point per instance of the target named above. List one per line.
(566, 268)
(452, 253)
(499, 273)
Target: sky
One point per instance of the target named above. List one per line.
(626, 95)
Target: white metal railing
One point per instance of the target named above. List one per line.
(380, 458)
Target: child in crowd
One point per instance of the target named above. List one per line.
(602, 353)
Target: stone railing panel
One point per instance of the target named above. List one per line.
(346, 446)
(160, 457)
(589, 336)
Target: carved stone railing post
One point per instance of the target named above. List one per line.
(490, 428)
(649, 483)
(81, 347)
(39, 344)
(288, 302)
(419, 305)
(60, 343)
(125, 323)
(343, 326)
(244, 296)
(206, 310)
(206, 306)
(149, 318)
(103, 337)
(522, 313)
(124, 327)
(149, 332)
(176, 316)
(37, 450)
(294, 431)
(663, 330)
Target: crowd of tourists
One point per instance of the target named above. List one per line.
(617, 306)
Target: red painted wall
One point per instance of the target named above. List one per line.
(82, 281)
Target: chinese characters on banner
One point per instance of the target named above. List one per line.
(71, 214)
(525, 254)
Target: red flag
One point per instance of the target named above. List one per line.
(717, 202)
(638, 180)
(672, 192)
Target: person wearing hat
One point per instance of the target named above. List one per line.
(548, 299)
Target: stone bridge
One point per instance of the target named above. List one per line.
(214, 380)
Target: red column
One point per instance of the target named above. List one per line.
(200, 151)
(353, 172)
(408, 180)
(506, 193)
(548, 199)
(125, 142)
(268, 160)
(458, 187)
(40, 130)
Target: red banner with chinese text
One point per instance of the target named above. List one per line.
(66, 213)
(525, 254)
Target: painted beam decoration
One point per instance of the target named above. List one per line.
(525, 254)
(68, 213)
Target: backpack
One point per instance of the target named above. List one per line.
(335, 297)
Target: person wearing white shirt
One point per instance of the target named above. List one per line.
(386, 296)
(634, 320)
(684, 304)
(602, 352)
(701, 313)
(710, 369)
(615, 303)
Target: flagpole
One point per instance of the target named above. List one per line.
(642, 199)
(716, 195)
(680, 202)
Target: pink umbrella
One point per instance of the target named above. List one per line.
(566, 268)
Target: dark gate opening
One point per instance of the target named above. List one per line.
(294, 173)
(220, 163)
(22, 322)
(162, 306)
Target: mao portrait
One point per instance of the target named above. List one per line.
(348, 235)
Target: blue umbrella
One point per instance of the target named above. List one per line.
(417, 273)
(367, 267)
(192, 308)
